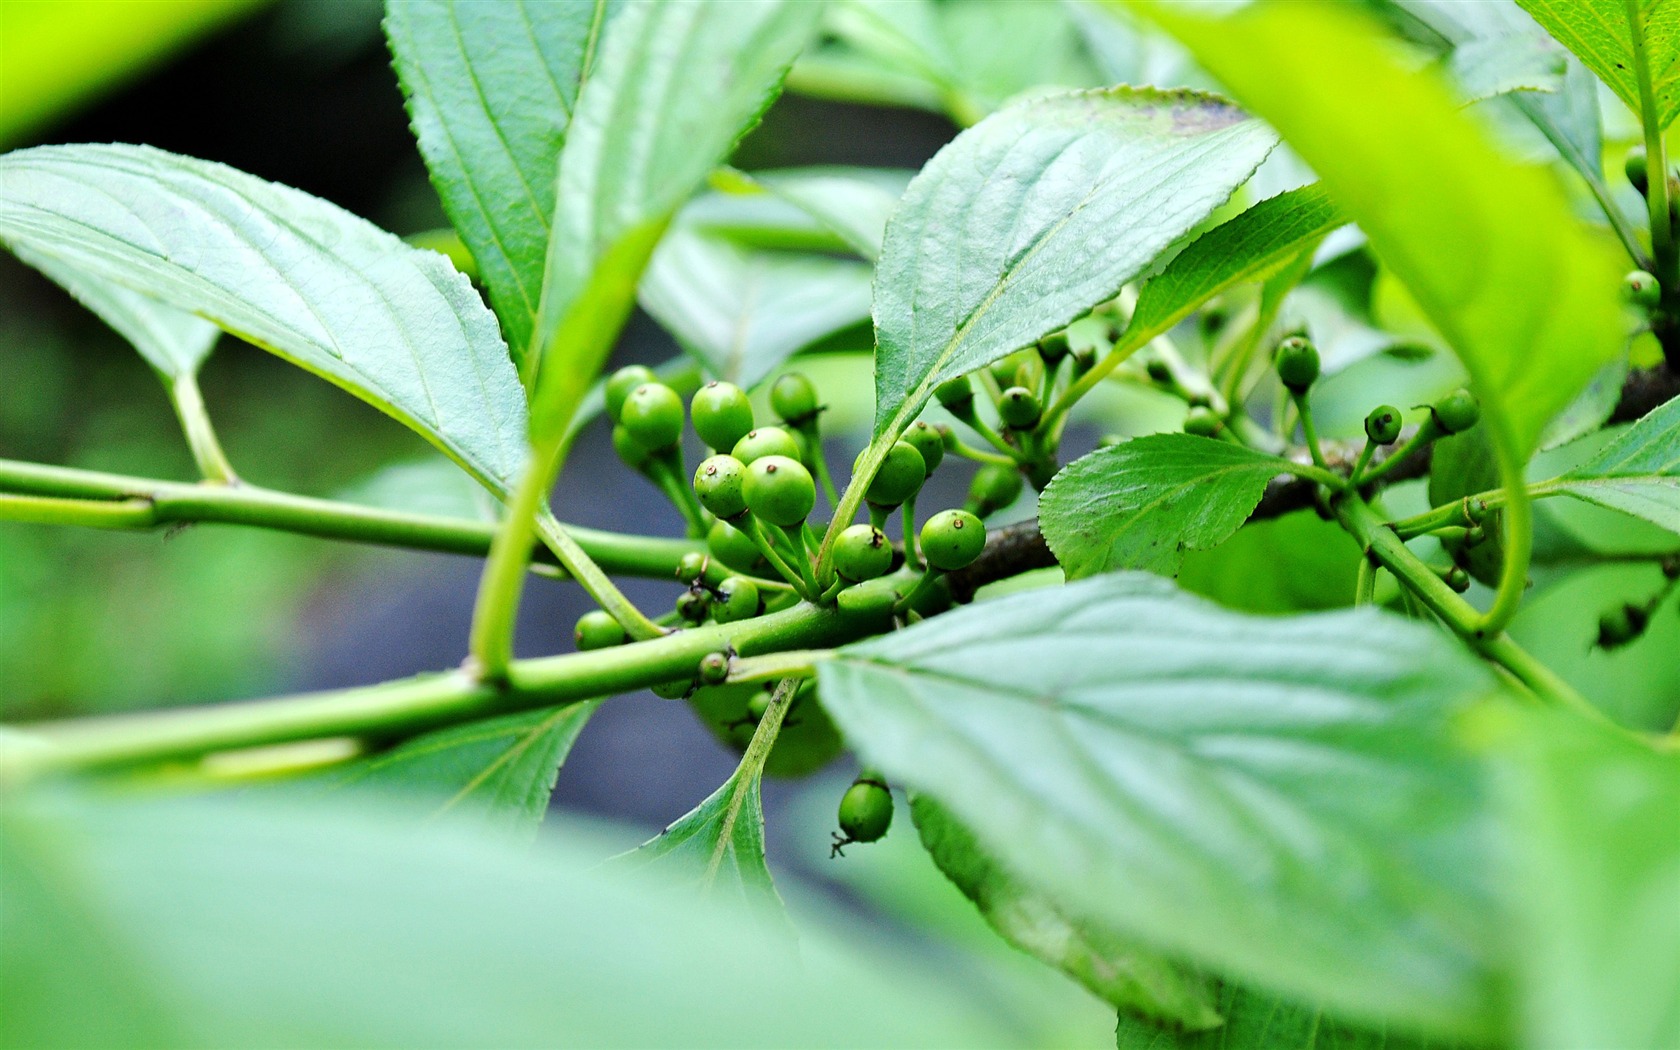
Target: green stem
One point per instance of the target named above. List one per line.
(772, 554)
(97, 514)
(1656, 161)
(1364, 461)
(503, 580)
(790, 663)
(911, 555)
(1365, 585)
(1309, 430)
(1424, 434)
(394, 710)
(1451, 515)
(207, 451)
(175, 502)
(967, 451)
(819, 460)
(665, 471)
(1517, 533)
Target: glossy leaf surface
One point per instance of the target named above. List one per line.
(1638, 473)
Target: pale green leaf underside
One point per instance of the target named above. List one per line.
(1250, 247)
(1601, 35)
(173, 342)
(1042, 211)
(503, 768)
(291, 273)
(854, 203)
(1594, 824)
(1150, 761)
(1122, 974)
(1259, 1021)
(1491, 66)
(745, 311)
(490, 89)
(1523, 291)
(719, 844)
(1143, 503)
(1638, 473)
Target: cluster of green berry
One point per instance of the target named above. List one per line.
(1640, 287)
(1024, 425)
(1625, 623)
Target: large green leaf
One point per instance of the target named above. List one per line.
(1037, 214)
(1117, 971)
(720, 842)
(1523, 291)
(1141, 504)
(503, 768)
(394, 325)
(1258, 1021)
(745, 311)
(1595, 830)
(1614, 37)
(855, 203)
(1250, 247)
(1278, 799)
(677, 84)
(199, 923)
(1638, 473)
(490, 90)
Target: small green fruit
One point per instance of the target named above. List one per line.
(621, 383)
(1641, 289)
(722, 414)
(734, 548)
(757, 705)
(994, 487)
(766, 441)
(1296, 361)
(598, 630)
(675, 689)
(1202, 421)
(1019, 408)
(1382, 426)
(873, 599)
(900, 476)
(737, 599)
(631, 451)
(714, 669)
(653, 414)
(1634, 167)
(861, 552)
(793, 397)
(692, 567)
(1457, 579)
(780, 490)
(720, 483)
(866, 811)
(952, 539)
(694, 605)
(1053, 347)
(929, 442)
(1456, 413)
(957, 395)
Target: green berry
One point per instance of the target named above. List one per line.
(1456, 413)
(733, 548)
(1030, 372)
(692, 567)
(1053, 347)
(675, 689)
(653, 414)
(1382, 426)
(720, 483)
(1019, 408)
(694, 605)
(629, 449)
(1159, 372)
(952, 539)
(722, 414)
(1296, 361)
(957, 395)
(899, 478)
(598, 630)
(766, 441)
(1641, 289)
(1634, 168)
(757, 705)
(994, 487)
(1457, 579)
(714, 669)
(873, 599)
(737, 599)
(861, 552)
(780, 490)
(1003, 369)
(866, 811)
(621, 383)
(929, 442)
(793, 398)
(1202, 421)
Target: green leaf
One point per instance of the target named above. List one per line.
(395, 326)
(503, 768)
(1495, 66)
(173, 342)
(1602, 35)
(1250, 247)
(1594, 820)
(1258, 1021)
(745, 311)
(253, 923)
(1279, 799)
(806, 743)
(1115, 970)
(720, 843)
(1288, 564)
(490, 90)
(1142, 503)
(1522, 290)
(1042, 211)
(677, 84)
(854, 203)
(1638, 473)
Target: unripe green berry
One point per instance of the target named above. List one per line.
(1159, 371)
(713, 669)
(866, 811)
(929, 442)
(692, 567)
(1019, 408)
(1202, 421)
(1053, 347)
(1004, 368)
(733, 548)
(722, 414)
(994, 487)
(900, 476)
(694, 605)
(1457, 579)
(952, 539)
(737, 599)
(957, 395)
(1030, 373)
(1456, 413)
(634, 454)
(720, 483)
(766, 441)
(653, 414)
(1296, 361)
(1383, 424)
(793, 398)
(1641, 289)
(871, 598)
(598, 630)
(780, 490)
(861, 552)
(621, 383)
(1634, 167)
(757, 705)
(675, 689)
